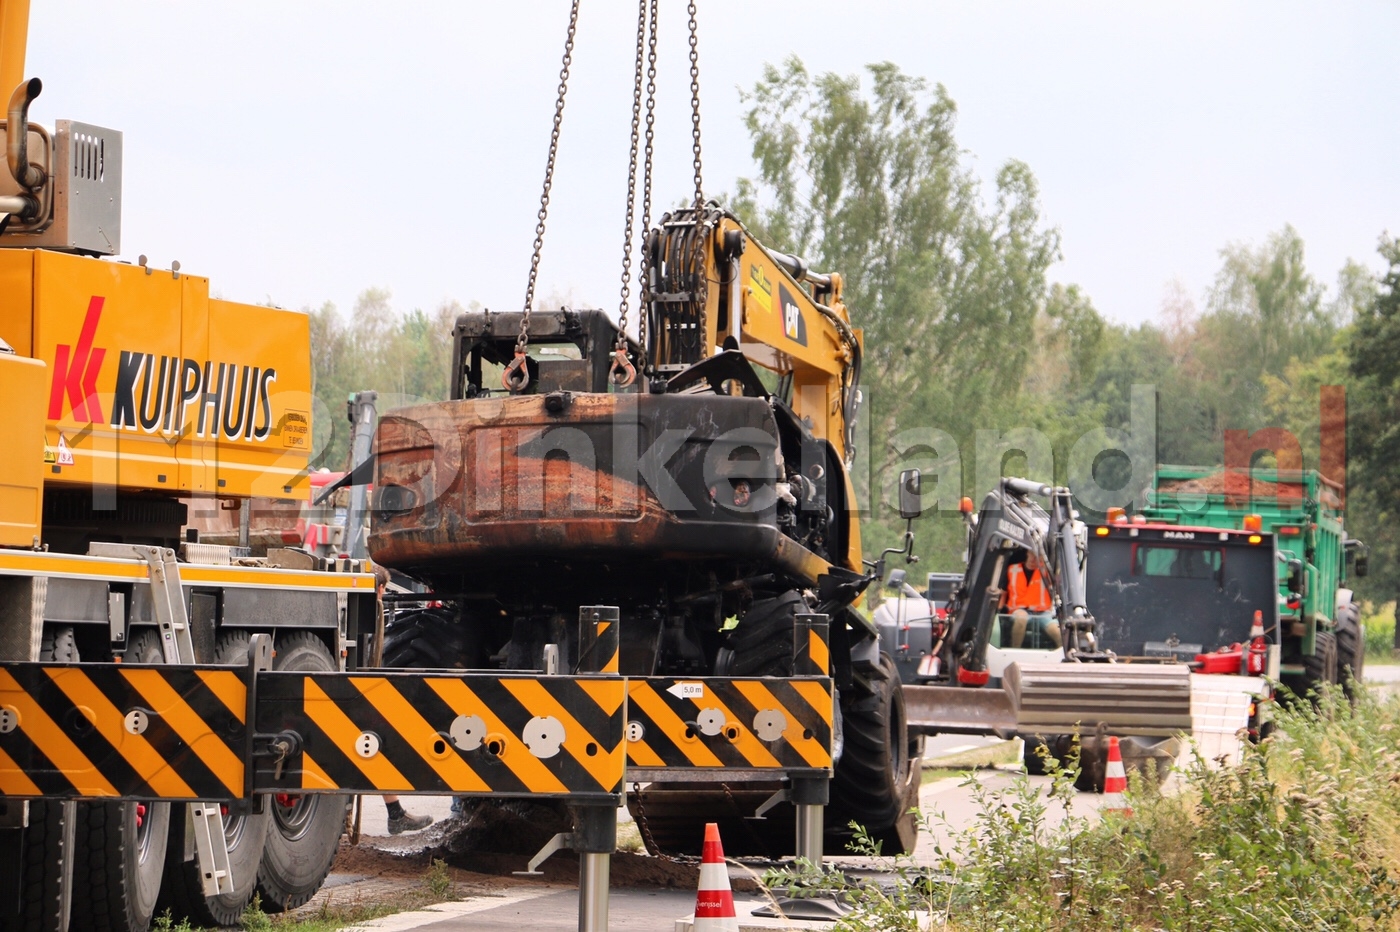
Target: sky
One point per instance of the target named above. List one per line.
(301, 152)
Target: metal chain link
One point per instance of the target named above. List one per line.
(623, 373)
(516, 376)
(695, 104)
(644, 267)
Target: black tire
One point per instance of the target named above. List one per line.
(121, 854)
(762, 643)
(427, 640)
(1351, 649)
(876, 781)
(304, 835)
(1321, 667)
(245, 836)
(42, 854)
(1030, 753)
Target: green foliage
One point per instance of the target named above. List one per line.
(870, 181)
(165, 923)
(253, 918)
(1299, 835)
(438, 880)
(404, 357)
(1379, 629)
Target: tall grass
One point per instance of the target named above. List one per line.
(1302, 834)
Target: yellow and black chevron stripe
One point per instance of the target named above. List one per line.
(425, 733)
(112, 730)
(719, 722)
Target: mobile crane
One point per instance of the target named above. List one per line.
(133, 397)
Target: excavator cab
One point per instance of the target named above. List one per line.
(569, 351)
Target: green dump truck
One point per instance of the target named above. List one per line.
(1317, 624)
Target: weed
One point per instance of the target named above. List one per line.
(254, 919)
(165, 923)
(438, 880)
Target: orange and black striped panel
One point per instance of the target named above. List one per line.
(708, 723)
(121, 731)
(437, 733)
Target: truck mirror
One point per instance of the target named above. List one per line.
(1361, 566)
(896, 580)
(911, 500)
(1297, 577)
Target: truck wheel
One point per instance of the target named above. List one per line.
(244, 834)
(1351, 648)
(876, 782)
(121, 854)
(762, 643)
(43, 853)
(304, 836)
(1321, 667)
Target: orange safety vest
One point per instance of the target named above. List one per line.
(1026, 591)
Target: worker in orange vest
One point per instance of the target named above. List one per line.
(1026, 593)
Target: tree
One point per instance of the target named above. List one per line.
(949, 290)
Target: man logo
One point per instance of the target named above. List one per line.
(794, 324)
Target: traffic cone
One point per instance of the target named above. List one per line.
(1115, 781)
(714, 903)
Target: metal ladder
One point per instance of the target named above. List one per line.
(168, 601)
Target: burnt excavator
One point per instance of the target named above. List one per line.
(697, 479)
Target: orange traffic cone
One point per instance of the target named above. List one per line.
(714, 903)
(1115, 781)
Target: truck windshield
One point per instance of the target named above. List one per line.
(1177, 561)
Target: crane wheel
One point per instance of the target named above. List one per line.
(305, 830)
(876, 781)
(245, 833)
(41, 856)
(1351, 649)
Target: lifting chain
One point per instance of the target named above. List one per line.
(623, 373)
(516, 376)
(695, 105)
(644, 267)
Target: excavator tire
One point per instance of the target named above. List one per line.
(762, 643)
(245, 835)
(42, 854)
(1351, 649)
(431, 639)
(122, 845)
(305, 831)
(876, 781)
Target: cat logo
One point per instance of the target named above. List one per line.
(794, 324)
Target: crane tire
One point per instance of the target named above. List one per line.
(245, 835)
(122, 845)
(876, 781)
(304, 836)
(43, 852)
